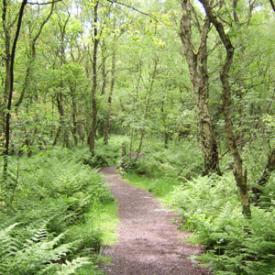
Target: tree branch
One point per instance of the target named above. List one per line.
(44, 3)
(272, 5)
(133, 8)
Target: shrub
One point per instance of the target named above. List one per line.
(211, 208)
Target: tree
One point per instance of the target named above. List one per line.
(96, 39)
(197, 63)
(239, 170)
(10, 54)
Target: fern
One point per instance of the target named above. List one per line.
(8, 246)
(71, 267)
(36, 254)
(52, 196)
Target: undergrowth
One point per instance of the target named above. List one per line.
(174, 161)
(210, 208)
(59, 210)
(106, 155)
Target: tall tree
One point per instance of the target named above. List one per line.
(198, 70)
(32, 56)
(96, 40)
(239, 170)
(10, 54)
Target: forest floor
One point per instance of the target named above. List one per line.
(149, 241)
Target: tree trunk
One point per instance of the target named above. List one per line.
(110, 97)
(32, 57)
(147, 106)
(62, 129)
(269, 168)
(239, 171)
(74, 116)
(9, 82)
(104, 71)
(197, 63)
(92, 133)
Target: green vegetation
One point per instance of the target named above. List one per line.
(178, 94)
(210, 208)
(160, 187)
(60, 215)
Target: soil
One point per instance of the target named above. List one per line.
(149, 241)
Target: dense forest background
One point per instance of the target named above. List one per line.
(178, 94)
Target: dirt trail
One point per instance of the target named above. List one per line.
(149, 242)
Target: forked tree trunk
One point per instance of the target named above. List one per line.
(197, 64)
(74, 115)
(239, 170)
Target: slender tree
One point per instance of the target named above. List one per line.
(96, 40)
(239, 170)
(9, 68)
(32, 56)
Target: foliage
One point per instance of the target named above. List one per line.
(106, 155)
(143, 94)
(156, 160)
(38, 255)
(160, 187)
(234, 244)
(209, 207)
(59, 227)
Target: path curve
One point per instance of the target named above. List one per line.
(149, 242)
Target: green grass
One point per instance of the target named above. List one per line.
(105, 219)
(162, 188)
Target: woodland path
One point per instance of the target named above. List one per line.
(149, 242)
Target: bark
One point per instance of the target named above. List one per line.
(272, 5)
(62, 129)
(74, 116)
(197, 63)
(107, 127)
(104, 71)
(92, 133)
(262, 181)
(164, 123)
(239, 170)
(7, 57)
(131, 141)
(9, 82)
(147, 106)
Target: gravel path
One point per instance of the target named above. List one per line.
(149, 242)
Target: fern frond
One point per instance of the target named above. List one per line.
(71, 267)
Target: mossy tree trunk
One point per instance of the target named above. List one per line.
(197, 64)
